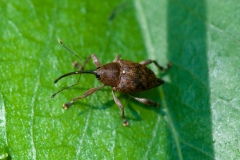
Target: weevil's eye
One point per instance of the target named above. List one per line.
(97, 76)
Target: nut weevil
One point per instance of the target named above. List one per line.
(122, 76)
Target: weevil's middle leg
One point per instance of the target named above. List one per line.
(120, 105)
(95, 61)
(146, 62)
(89, 92)
(145, 101)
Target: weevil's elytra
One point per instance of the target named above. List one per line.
(122, 76)
(135, 77)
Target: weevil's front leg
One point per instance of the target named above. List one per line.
(95, 61)
(116, 58)
(89, 92)
(146, 62)
(120, 105)
(146, 101)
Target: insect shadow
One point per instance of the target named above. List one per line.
(133, 115)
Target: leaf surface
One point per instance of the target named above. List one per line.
(198, 117)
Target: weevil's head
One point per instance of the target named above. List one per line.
(109, 74)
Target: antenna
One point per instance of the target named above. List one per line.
(68, 74)
(59, 41)
(71, 73)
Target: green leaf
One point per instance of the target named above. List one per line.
(198, 117)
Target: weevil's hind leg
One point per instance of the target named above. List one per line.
(120, 105)
(146, 101)
(95, 61)
(89, 92)
(116, 58)
(147, 62)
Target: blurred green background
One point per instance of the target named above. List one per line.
(199, 113)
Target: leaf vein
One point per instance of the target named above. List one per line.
(197, 149)
(3, 123)
(150, 51)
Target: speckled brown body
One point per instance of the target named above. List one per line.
(127, 77)
(135, 77)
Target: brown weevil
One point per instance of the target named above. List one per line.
(122, 76)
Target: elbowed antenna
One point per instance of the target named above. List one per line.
(68, 74)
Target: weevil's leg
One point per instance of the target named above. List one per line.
(146, 101)
(95, 61)
(89, 92)
(116, 58)
(146, 62)
(120, 105)
(77, 65)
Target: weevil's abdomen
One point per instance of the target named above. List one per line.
(135, 77)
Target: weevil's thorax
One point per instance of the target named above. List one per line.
(109, 74)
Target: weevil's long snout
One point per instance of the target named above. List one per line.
(68, 74)
(72, 73)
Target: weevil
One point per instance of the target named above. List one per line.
(122, 76)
